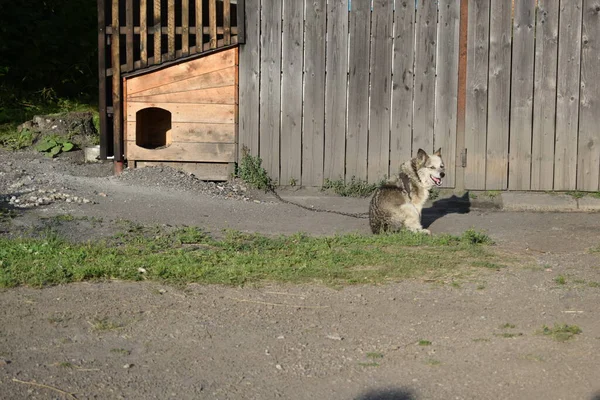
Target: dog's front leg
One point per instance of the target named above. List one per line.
(412, 219)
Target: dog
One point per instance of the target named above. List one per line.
(398, 202)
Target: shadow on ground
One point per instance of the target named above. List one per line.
(443, 207)
(388, 394)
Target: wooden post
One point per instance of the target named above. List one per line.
(157, 33)
(143, 33)
(171, 29)
(459, 182)
(241, 21)
(129, 34)
(102, 79)
(185, 27)
(116, 84)
(226, 22)
(199, 28)
(212, 11)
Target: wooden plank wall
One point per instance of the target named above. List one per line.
(333, 89)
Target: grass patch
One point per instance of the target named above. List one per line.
(424, 343)
(433, 362)
(124, 352)
(508, 335)
(560, 332)
(594, 284)
(477, 340)
(104, 324)
(560, 280)
(508, 326)
(189, 255)
(354, 188)
(66, 364)
(576, 194)
(487, 264)
(374, 355)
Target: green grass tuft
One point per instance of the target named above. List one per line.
(562, 332)
(354, 188)
(250, 170)
(561, 280)
(424, 343)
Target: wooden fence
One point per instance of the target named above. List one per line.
(332, 90)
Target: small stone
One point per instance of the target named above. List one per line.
(334, 337)
(86, 200)
(279, 367)
(4, 362)
(280, 337)
(68, 200)
(127, 366)
(102, 194)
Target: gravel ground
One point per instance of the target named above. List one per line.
(402, 341)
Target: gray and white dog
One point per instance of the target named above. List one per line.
(399, 202)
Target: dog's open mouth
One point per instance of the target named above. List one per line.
(437, 181)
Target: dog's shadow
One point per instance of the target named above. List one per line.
(443, 207)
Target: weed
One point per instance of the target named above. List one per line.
(374, 355)
(475, 237)
(293, 182)
(12, 139)
(576, 194)
(480, 287)
(250, 170)
(354, 188)
(53, 145)
(120, 351)
(104, 324)
(487, 264)
(481, 340)
(455, 284)
(433, 362)
(434, 193)
(562, 332)
(560, 280)
(492, 193)
(594, 194)
(594, 284)
(508, 326)
(6, 214)
(66, 364)
(508, 335)
(595, 249)
(369, 364)
(473, 195)
(424, 343)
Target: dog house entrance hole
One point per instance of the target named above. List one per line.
(153, 128)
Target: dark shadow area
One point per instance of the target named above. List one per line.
(388, 394)
(443, 207)
(595, 396)
(153, 126)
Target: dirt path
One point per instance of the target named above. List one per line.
(148, 341)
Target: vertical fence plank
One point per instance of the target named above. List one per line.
(567, 96)
(212, 22)
(314, 93)
(477, 93)
(519, 172)
(589, 119)
(157, 33)
(291, 91)
(116, 83)
(270, 86)
(358, 90)
(143, 33)
(336, 89)
(249, 73)
(226, 22)
(402, 85)
(446, 90)
(498, 126)
(129, 34)
(380, 104)
(199, 25)
(424, 103)
(171, 29)
(544, 100)
(185, 27)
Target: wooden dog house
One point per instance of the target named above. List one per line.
(169, 83)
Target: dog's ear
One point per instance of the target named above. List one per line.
(438, 152)
(422, 157)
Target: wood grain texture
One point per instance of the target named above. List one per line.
(270, 88)
(171, 29)
(183, 71)
(496, 167)
(143, 33)
(157, 59)
(199, 31)
(207, 113)
(358, 91)
(206, 152)
(313, 124)
(519, 174)
(477, 94)
(196, 132)
(567, 96)
(249, 75)
(129, 35)
(446, 89)
(544, 100)
(212, 22)
(218, 95)
(336, 86)
(226, 22)
(291, 91)
(588, 152)
(185, 28)
(425, 68)
(215, 79)
(381, 88)
(402, 85)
